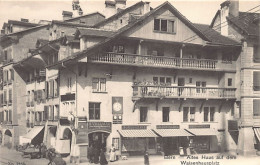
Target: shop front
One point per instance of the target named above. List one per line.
(136, 139)
(98, 133)
(34, 136)
(171, 139)
(204, 139)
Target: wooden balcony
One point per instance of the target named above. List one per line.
(164, 62)
(146, 91)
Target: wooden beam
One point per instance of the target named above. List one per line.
(86, 70)
(134, 107)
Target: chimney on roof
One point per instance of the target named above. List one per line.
(146, 7)
(24, 20)
(110, 8)
(228, 8)
(120, 4)
(66, 15)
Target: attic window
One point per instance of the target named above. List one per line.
(164, 25)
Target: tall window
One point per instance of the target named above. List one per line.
(69, 83)
(200, 85)
(94, 111)
(162, 81)
(164, 25)
(188, 114)
(209, 113)
(166, 112)
(256, 81)
(99, 85)
(229, 82)
(256, 107)
(143, 114)
(257, 53)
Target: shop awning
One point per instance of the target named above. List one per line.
(137, 133)
(172, 132)
(34, 132)
(257, 133)
(203, 132)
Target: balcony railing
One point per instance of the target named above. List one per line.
(182, 92)
(169, 62)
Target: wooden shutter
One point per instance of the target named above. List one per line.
(35, 95)
(46, 113)
(46, 89)
(256, 107)
(256, 81)
(51, 88)
(12, 74)
(10, 115)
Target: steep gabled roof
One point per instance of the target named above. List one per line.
(214, 36)
(22, 23)
(246, 22)
(120, 13)
(214, 19)
(112, 37)
(69, 24)
(86, 15)
(93, 32)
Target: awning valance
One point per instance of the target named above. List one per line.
(202, 132)
(172, 132)
(257, 133)
(137, 133)
(33, 132)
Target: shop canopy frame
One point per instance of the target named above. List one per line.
(172, 132)
(139, 133)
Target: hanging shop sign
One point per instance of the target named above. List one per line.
(167, 127)
(133, 127)
(199, 126)
(232, 125)
(99, 126)
(117, 105)
(67, 97)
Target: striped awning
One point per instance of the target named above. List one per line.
(202, 132)
(257, 133)
(33, 132)
(137, 133)
(172, 132)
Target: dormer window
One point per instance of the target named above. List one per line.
(164, 25)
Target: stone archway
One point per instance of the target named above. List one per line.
(8, 138)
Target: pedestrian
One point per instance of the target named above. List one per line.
(103, 160)
(112, 157)
(90, 154)
(76, 154)
(51, 155)
(96, 155)
(146, 158)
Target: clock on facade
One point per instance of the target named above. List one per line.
(117, 106)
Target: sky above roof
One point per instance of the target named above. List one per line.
(196, 11)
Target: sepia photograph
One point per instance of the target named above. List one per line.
(130, 82)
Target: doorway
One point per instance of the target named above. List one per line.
(8, 139)
(67, 135)
(98, 140)
(181, 83)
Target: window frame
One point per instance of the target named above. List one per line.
(158, 26)
(95, 111)
(143, 119)
(167, 111)
(100, 83)
(188, 116)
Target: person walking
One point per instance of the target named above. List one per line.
(146, 158)
(103, 160)
(90, 154)
(112, 157)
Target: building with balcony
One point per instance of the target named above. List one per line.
(244, 27)
(15, 46)
(146, 85)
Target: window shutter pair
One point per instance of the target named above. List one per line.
(46, 113)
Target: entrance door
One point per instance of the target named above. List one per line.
(181, 83)
(98, 140)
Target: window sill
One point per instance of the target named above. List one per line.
(144, 123)
(190, 122)
(157, 31)
(209, 122)
(167, 122)
(100, 92)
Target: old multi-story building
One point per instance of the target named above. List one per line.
(150, 80)
(245, 28)
(18, 38)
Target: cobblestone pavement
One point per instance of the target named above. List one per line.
(12, 157)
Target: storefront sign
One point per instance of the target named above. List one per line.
(117, 105)
(232, 125)
(199, 126)
(167, 127)
(131, 127)
(99, 126)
